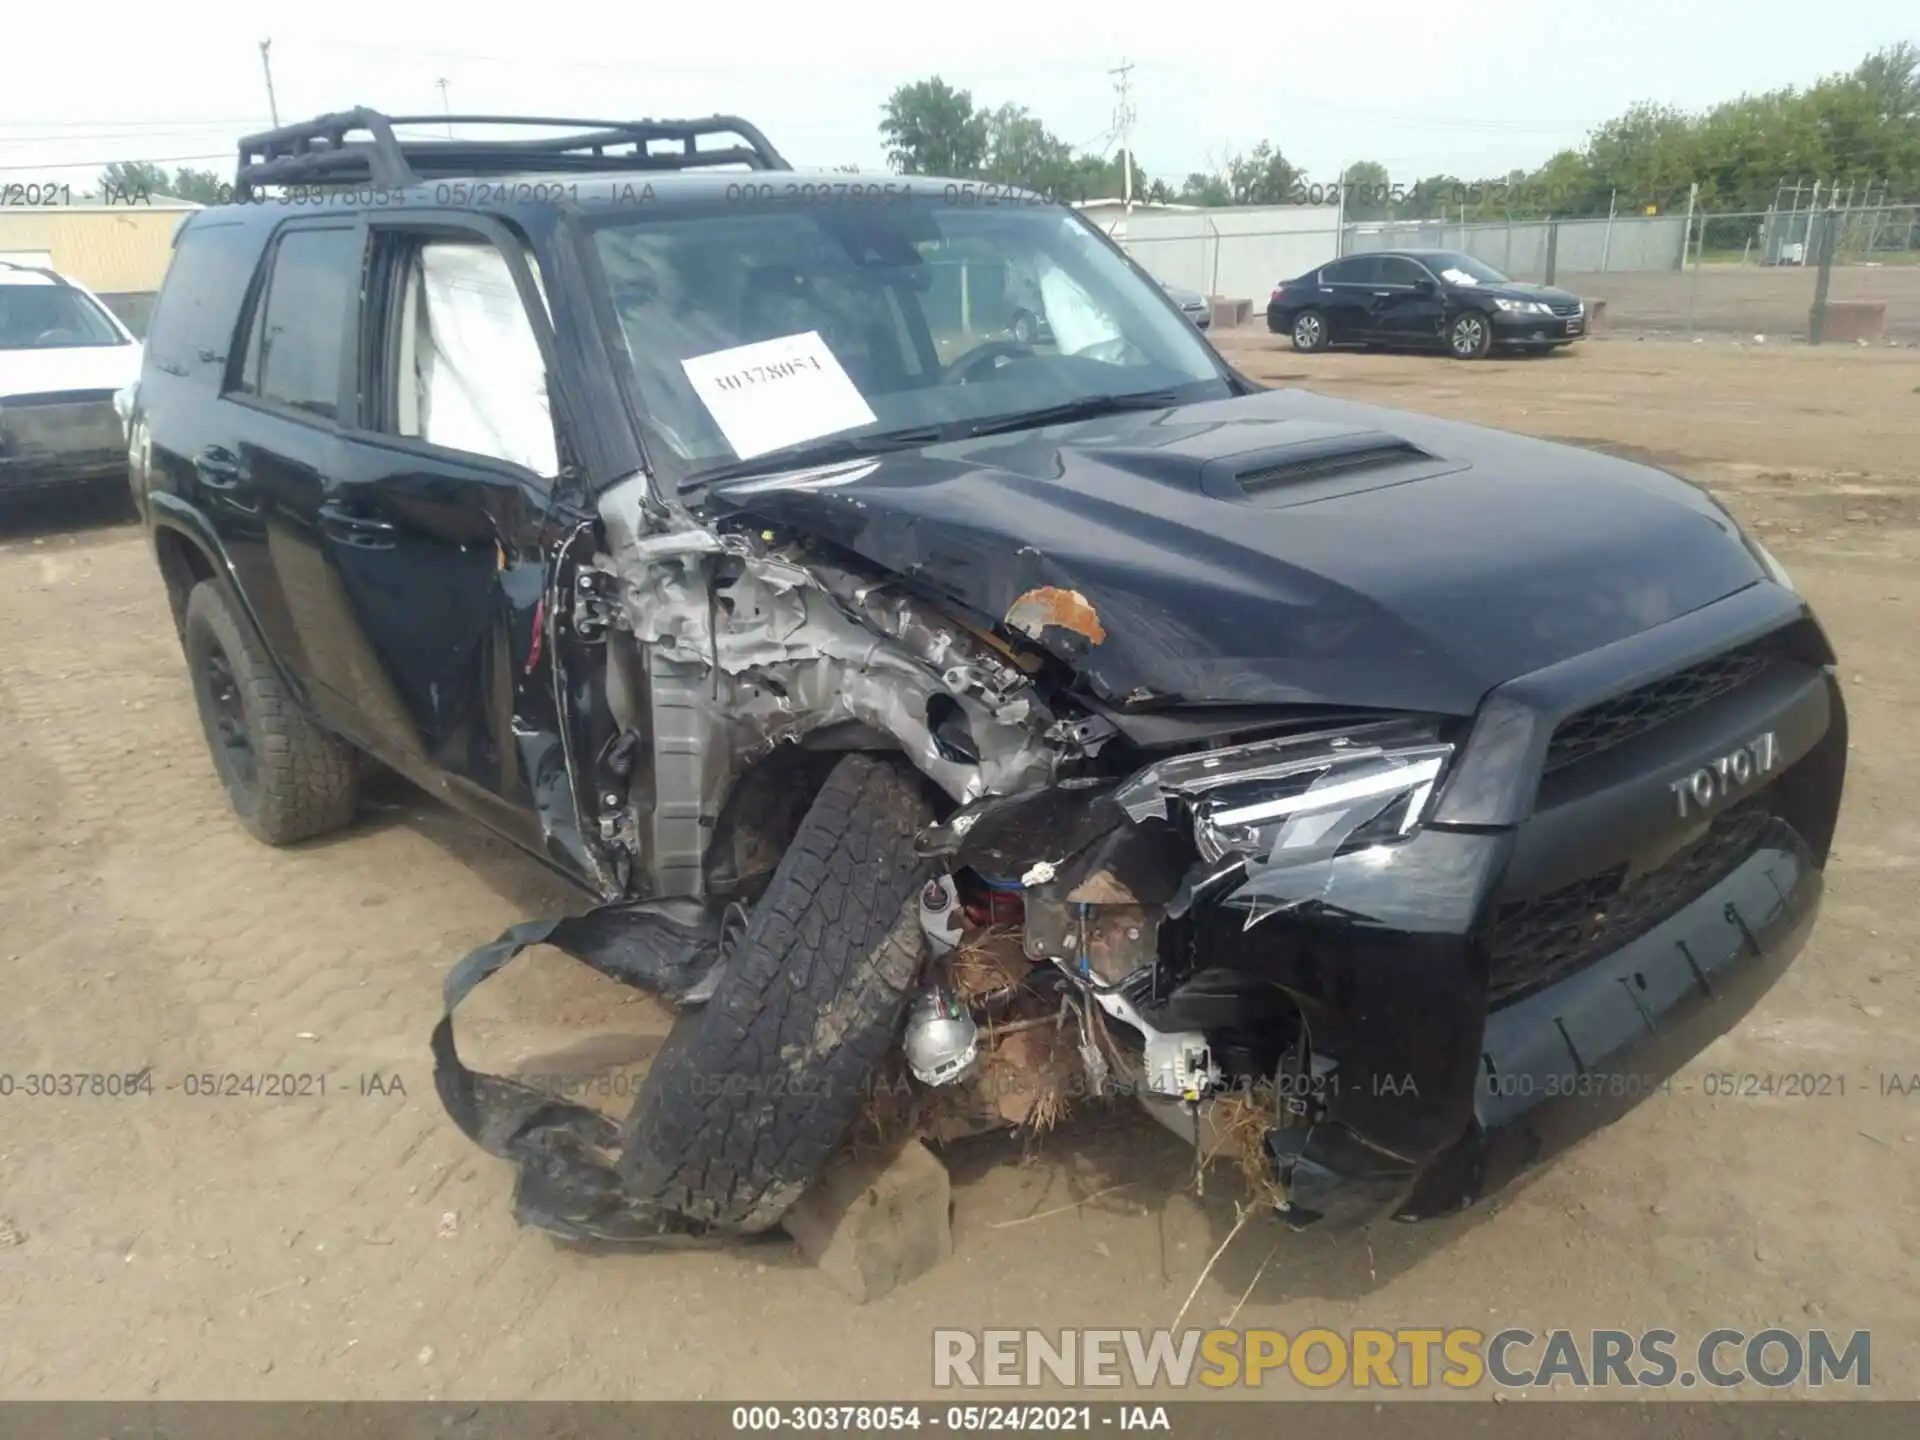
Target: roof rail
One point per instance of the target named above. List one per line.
(359, 147)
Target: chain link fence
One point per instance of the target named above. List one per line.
(1752, 276)
(1830, 277)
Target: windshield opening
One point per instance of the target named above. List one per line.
(51, 317)
(1450, 265)
(763, 331)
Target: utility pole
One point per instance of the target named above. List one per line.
(1340, 215)
(445, 109)
(1817, 317)
(1123, 117)
(1693, 198)
(266, 64)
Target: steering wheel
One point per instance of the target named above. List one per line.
(961, 371)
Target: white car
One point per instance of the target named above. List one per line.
(63, 357)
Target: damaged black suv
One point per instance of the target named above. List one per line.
(1017, 718)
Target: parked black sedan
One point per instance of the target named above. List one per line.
(1437, 299)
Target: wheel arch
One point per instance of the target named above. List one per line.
(188, 552)
(767, 799)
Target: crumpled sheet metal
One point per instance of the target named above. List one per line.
(570, 1157)
(833, 648)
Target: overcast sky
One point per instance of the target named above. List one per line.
(1471, 87)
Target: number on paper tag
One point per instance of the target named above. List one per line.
(774, 393)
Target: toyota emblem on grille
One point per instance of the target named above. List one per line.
(1724, 775)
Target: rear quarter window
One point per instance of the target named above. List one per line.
(199, 305)
(298, 338)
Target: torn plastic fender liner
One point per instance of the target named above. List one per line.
(570, 1156)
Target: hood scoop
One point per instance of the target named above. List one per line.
(1320, 467)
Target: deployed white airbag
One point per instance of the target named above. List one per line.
(484, 383)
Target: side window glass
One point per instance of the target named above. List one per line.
(193, 320)
(301, 321)
(1362, 270)
(1402, 272)
(466, 370)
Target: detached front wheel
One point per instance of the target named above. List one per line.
(753, 1091)
(1470, 336)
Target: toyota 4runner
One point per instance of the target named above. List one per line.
(1006, 717)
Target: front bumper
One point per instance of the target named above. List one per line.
(1512, 329)
(1572, 1058)
(1445, 1068)
(65, 439)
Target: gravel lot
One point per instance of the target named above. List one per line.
(356, 1245)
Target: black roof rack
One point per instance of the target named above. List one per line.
(359, 147)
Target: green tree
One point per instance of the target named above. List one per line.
(1891, 78)
(1368, 191)
(132, 177)
(1098, 177)
(1434, 198)
(1648, 153)
(932, 129)
(1564, 186)
(1198, 189)
(1263, 176)
(1022, 151)
(1861, 126)
(203, 187)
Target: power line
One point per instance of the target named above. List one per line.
(85, 128)
(149, 137)
(116, 160)
(624, 67)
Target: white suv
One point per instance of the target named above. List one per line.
(63, 355)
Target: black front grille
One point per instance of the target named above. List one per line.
(1613, 722)
(1565, 307)
(1536, 941)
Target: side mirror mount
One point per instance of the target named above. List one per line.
(1426, 285)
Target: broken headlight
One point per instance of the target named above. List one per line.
(1298, 797)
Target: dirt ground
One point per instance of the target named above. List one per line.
(356, 1245)
(1742, 301)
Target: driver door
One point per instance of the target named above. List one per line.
(1407, 305)
(432, 526)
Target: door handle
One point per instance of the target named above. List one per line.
(355, 527)
(218, 468)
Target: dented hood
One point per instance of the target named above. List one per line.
(1279, 548)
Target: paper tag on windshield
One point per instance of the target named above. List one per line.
(775, 393)
(1458, 277)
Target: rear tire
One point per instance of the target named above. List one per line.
(1469, 335)
(1310, 331)
(753, 1091)
(1025, 327)
(286, 778)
